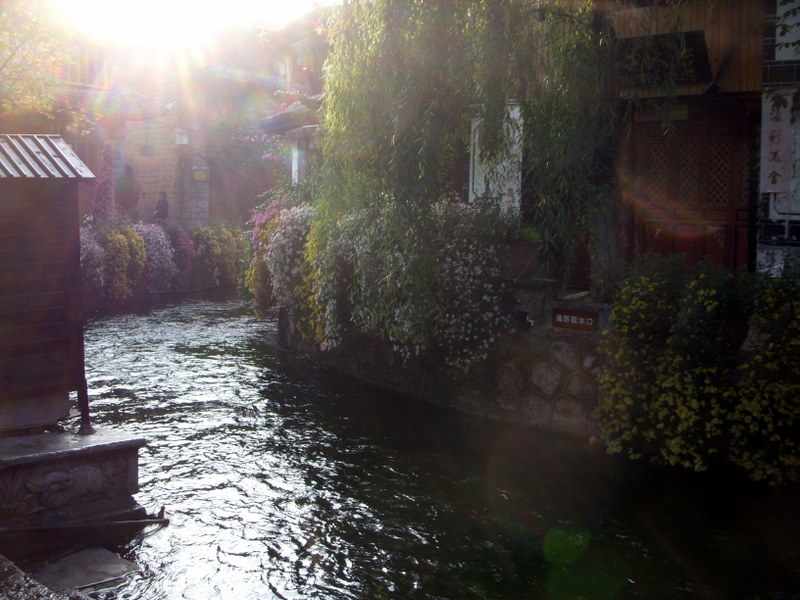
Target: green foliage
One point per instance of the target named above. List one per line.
(32, 46)
(671, 389)
(405, 78)
(396, 103)
(571, 116)
(385, 255)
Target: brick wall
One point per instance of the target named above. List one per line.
(150, 149)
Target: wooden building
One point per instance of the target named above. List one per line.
(41, 335)
(689, 175)
(58, 491)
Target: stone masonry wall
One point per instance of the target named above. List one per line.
(544, 376)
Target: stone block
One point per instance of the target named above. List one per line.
(546, 376)
(583, 389)
(86, 568)
(566, 355)
(509, 379)
(538, 412)
(35, 411)
(569, 416)
(59, 477)
(469, 400)
(538, 346)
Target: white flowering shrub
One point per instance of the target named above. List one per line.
(428, 283)
(283, 252)
(160, 262)
(470, 283)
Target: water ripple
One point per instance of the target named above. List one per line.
(284, 480)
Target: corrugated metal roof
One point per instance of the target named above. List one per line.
(36, 156)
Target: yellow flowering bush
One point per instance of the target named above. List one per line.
(206, 272)
(673, 388)
(690, 407)
(216, 262)
(125, 260)
(641, 322)
(765, 429)
(257, 280)
(231, 244)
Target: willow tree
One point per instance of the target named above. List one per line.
(404, 80)
(405, 77)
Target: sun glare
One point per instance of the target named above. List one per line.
(165, 25)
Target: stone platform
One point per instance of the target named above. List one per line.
(59, 488)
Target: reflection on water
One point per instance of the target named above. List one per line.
(284, 480)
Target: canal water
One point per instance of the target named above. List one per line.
(283, 479)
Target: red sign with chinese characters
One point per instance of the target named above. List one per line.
(568, 318)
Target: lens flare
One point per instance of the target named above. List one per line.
(662, 211)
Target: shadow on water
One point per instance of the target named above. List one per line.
(284, 479)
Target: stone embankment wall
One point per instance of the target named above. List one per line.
(544, 375)
(544, 378)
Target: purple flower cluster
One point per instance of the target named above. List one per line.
(105, 185)
(160, 255)
(92, 265)
(266, 213)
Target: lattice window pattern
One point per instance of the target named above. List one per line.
(688, 181)
(719, 172)
(657, 173)
(744, 169)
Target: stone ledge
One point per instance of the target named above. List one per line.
(29, 449)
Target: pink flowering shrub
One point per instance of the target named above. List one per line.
(262, 217)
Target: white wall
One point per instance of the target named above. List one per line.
(505, 182)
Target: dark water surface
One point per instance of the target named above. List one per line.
(285, 480)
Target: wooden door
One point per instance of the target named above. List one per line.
(691, 190)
